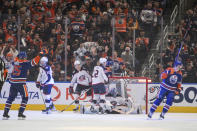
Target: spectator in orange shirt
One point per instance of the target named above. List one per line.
(142, 40)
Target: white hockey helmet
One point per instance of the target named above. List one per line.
(77, 62)
(103, 61)
(43, 61)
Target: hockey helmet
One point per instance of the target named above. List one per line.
(43, 61)
(103, 61)
(22, 55)
(77, 62)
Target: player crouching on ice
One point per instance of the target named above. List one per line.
(170, 85)
(45, 81)
(99, 79)
(83, 80)
(18, 83)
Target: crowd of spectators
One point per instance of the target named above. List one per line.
(188, 53)
(32, 25)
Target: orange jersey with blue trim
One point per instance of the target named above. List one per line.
(19, 73)
(171, 80)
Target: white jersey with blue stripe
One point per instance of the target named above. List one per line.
(45, 75)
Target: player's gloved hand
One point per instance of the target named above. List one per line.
(178, 90)
(43, 52)
(38, 84)
(71, 90)
(106, 82)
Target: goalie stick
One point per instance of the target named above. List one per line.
(75, 100)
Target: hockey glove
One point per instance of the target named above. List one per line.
(38, 84)
(43, 52)
(71, 90)
(178, 90)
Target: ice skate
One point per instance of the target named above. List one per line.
(52, 107)
(161, 117)
(21, 116)
(149, 116)
(76, 109)
(101, 110)
(5, 116)
(47, 111)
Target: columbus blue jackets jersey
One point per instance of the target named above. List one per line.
(171, 79)
(20, 68)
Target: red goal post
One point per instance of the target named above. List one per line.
(134, 87)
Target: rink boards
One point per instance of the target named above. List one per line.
(185, 102)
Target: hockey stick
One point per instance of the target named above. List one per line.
(2, 77)
(177, 57)
(75, 100)
(42, 98)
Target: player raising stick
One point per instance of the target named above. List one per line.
(45, 81)
(99, 78)
(83, 80)
(18, 83)
(170, 85)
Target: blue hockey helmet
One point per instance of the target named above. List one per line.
(22, 55)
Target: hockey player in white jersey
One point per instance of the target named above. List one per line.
(99, 79)
(83, 80)
(45, 82)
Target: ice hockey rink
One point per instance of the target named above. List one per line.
(69, 121)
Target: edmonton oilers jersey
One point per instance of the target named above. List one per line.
(172, 79)
(19, 73)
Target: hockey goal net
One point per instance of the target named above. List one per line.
(133, 88)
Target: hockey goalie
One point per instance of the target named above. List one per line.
(107, 98)
(115, 103)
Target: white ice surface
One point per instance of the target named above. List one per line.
(69, 121)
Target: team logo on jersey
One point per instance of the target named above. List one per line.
(76, 28)
(82, 78)
(173, 79)
(116, 65)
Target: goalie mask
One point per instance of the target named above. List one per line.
(43, 61)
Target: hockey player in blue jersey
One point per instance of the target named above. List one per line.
(169, 87)
(45, 81)
(18, 83)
